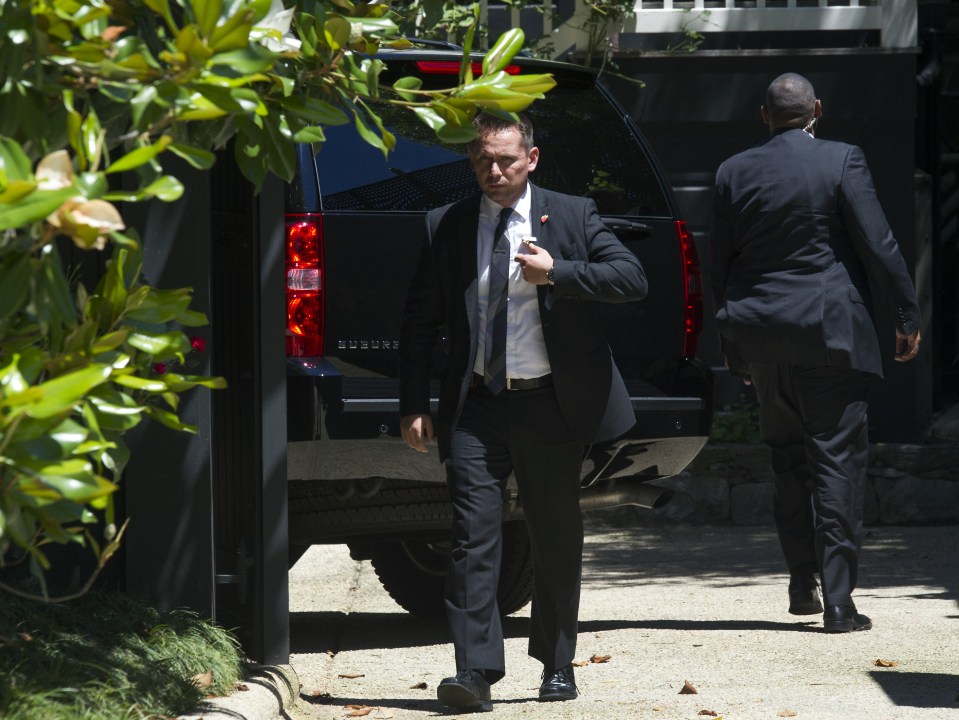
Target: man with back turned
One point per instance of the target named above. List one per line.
(800, 248)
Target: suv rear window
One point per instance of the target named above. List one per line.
(587, 149)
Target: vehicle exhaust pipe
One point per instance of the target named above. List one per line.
(607, 494)
(611, 493)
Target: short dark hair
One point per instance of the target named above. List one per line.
(486, 123)
(790, 101)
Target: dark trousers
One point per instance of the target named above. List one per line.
(814, 421)
(521, 432)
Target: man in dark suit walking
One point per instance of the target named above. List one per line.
(800, 247)
(512, 276)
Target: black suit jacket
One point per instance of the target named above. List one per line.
(800, 246)
(590, 265)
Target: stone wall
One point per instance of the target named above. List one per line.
(732, 484)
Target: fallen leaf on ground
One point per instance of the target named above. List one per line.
(886, 663)
(360, 711)
(658, 709)
(688, 689)
(787, 713)
(242, 687)
(319, 693)
(355, 706)
(201, 681)
(419, 686)
(709, 713)
(351, 676)
(600, 658)
(580, 663)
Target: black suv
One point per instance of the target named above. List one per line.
(354, 231)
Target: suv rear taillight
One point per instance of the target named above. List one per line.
(304, 285)
(446, 67)
(692, 290)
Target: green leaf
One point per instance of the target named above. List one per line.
(160, 344)
(91, 185)
(251, 59)
(532, 84)
(15, 280)
(249, 101)
(90, 139)
(140, 156)
(430, 117)
(59, 299)
(207, 13)
(155, 306)
(466, 66)
(408, 83)
(61, 394)
(181, 383)
(234, 34)
(33, 208)
(373, 27)
(200, 109)
(138, 383)
(80, 486)
(142, 104)
(191, 318)
(197, 157)
(336, 32)
(166, 188)
(165, 417)
(16, 191)
(369, 136)
(503, 50)
(315, 110)
(310, 134)
(14, 163)
(110, 341)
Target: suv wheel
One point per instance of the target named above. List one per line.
(413, 572)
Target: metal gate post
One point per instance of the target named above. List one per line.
(249, 418)
(168, 548)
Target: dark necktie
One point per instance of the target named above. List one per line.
(495, 368)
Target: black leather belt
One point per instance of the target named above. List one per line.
(516, 383)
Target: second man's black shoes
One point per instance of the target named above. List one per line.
(804, 593)
(558, 685)
(469, 690)
(843, 619)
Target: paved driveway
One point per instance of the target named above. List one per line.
(667, 605)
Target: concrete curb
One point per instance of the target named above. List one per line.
(266, 694)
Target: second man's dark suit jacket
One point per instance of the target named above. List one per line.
(590, 265)
(800, 246)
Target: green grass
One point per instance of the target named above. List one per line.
(108, 656)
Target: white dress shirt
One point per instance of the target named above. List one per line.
(525, 348)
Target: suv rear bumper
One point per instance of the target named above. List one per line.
(355, 435)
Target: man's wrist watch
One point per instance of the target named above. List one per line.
(550, 278)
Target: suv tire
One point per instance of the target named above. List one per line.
(413, 572)
(323, 511)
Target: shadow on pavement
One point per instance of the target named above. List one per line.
(313, 632)
(893, 556)
(919, 690)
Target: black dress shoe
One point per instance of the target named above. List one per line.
(804, 594)
(467, 691)
(558, 685)
(843, 619)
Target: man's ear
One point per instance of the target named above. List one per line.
(817, 108)
(764, 114)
